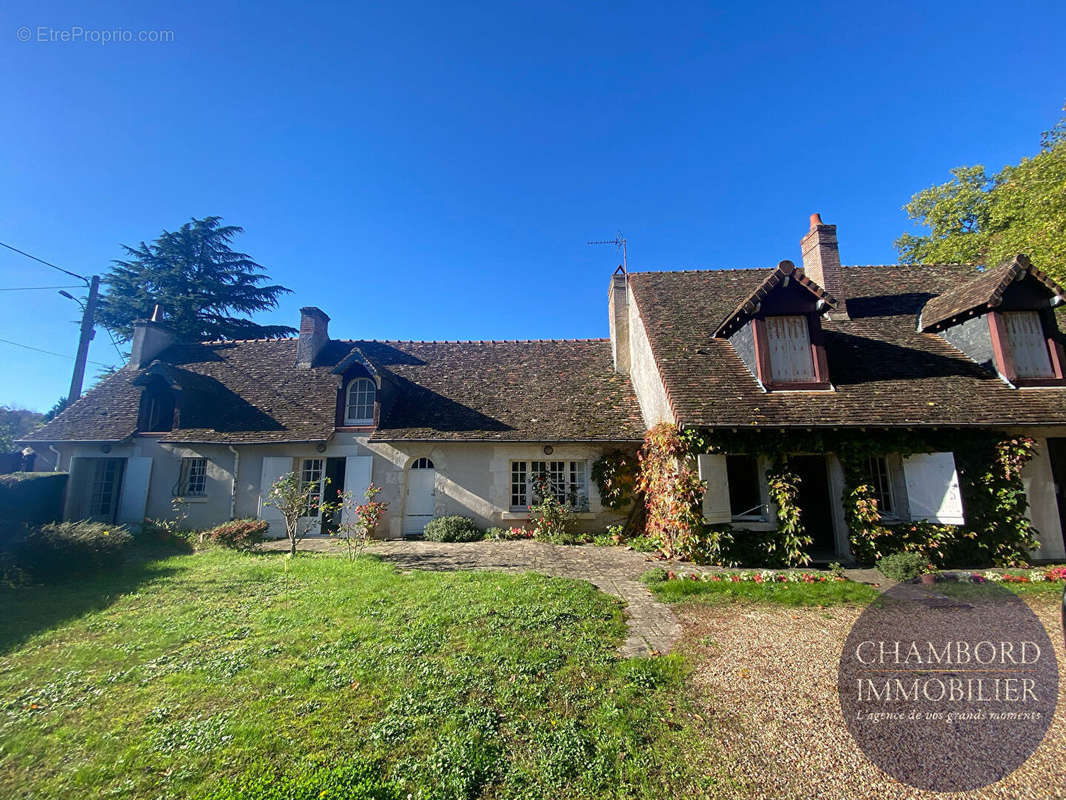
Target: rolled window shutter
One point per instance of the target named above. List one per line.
(933, 493)
(716, 499)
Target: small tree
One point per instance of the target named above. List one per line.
(364, 517)
(551, 519)
(296, 501)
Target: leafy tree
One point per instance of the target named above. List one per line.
(198, 279)
(14, 424)
(296, 502)
(56, 409)
(983, 219)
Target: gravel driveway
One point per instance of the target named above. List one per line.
(767, 679)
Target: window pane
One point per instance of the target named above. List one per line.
(789, 344)
(1028, 345)
(360, 400)
(193, 480)
(311, 472)
(745, 492)
(519, 496)
(878, 478)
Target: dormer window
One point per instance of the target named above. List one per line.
(789, 341)
(789, 352)
(359, 402)
(1024, 347)
(777, 331)
(1028, 344)
(156, 413)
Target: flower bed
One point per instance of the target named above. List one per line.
(757, 576)
(1049, 575)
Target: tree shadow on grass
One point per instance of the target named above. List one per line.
(30, 610)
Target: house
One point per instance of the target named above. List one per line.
(462, 427)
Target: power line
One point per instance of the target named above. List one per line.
(36, 288)
(50, 353)
(46, 263)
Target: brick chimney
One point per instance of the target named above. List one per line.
(314, 333)
(821, 261)
(150, 338)
(618, 311)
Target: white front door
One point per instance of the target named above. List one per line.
(418, 510)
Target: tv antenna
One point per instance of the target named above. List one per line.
(619, 242)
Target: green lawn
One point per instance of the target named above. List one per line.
(161, 679)
(789, 594)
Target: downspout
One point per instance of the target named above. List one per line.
(52, 447)
(233, 489)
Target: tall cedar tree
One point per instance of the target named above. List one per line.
(197, 279)
(977, 219)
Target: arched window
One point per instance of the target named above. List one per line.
(359, 405)
(422, 463)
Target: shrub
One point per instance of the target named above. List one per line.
(552, 520)
(508, 534)
(60, 549)
(238, 534)
(453, 529)
(355, 781)
(31, 497)
(902, 566)
(655, 575)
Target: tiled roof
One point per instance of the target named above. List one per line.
(778, 276)
(982, 292)
(250, 392)
(884, 372)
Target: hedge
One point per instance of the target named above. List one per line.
(30, 498)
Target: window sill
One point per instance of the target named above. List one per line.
(754, 525)
(1039, 383)
(193, 499)
(799, 387)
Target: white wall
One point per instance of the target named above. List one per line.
(644, 373)
(472, 478)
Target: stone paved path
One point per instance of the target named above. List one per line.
(615, 570)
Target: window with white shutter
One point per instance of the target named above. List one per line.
(714, 472)
(933, 493)
(789, 345)
(1028, 344)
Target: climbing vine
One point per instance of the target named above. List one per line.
(784, 493)
(672, 490)
(989, 465)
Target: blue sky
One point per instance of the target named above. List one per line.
(433, 170)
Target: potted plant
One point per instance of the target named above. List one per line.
(929, 574)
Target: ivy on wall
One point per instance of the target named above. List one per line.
(989, 465)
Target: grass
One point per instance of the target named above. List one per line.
(163, 678)
(789, 594)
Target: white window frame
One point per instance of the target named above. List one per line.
(305, 476)
(366, 403)
(882, 473)
(192, 477)
(572, 474)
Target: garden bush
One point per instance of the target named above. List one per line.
(655, 575)
(902, 566)
(61, 549)
(453, 529)
(360, 780)
(238, 534)
(34, 498)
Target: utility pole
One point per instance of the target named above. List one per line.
(88, 319)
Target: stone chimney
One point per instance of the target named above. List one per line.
(314, 333)
(821, 261)
(618, 311)
(150, 338)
